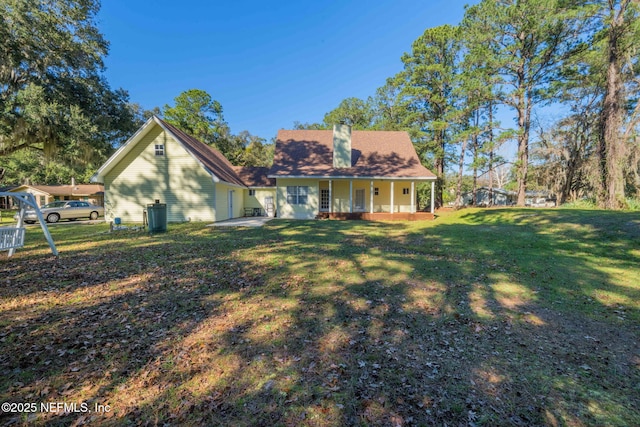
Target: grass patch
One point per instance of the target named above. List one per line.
(484, 317)
(6, 216)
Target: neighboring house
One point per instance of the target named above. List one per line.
(160, 162)
(539, 199)
(92, 193)
(503, 197)
(348, 174)
(6, 202)
(499, 196)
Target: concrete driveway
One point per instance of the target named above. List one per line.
(252, 221)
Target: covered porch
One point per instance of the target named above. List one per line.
(372, 199)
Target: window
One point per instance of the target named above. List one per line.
(302, 195)
(159, 149)
(292, 195)
(376, 191)
(405, 191)
(297, 194)
(252, 192)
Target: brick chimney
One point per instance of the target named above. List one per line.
(341, 146)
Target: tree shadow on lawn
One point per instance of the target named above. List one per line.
(573, 254)
(324, 323)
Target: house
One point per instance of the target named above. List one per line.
(503, 197)
(92, 193)
(539, 199)
(160, 162)
(337, 174)
(6, 202)
(499, 196)
(348, 174)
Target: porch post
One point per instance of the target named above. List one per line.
(350, 196)
(330, 197)
(413, 198)
(433, 191)
(371, 197)
(392, 197)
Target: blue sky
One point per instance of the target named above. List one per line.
(268, 63)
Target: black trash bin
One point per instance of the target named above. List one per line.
(157, 217)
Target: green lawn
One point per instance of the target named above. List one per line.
(6, 217)
(481, 317)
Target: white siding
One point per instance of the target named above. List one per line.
(291, 211)
(176, 179)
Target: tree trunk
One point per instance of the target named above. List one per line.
(568, 184)
(474, 191)
(524, 116)
(439, 165)
(611, 146)
(491, 153)
(566, 188)
(460, 174)
(574, 152)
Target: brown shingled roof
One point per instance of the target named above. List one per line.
(384, 154)
(211, 158)
(254, 176)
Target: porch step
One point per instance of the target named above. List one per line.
(377, 216)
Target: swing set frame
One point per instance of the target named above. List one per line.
(12, 237)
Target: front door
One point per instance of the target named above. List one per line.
(359, 205)
(324, 200)
(231, 204)
(268, 205)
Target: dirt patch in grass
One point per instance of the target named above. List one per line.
(479, 318)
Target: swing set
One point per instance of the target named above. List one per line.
(12, 237)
